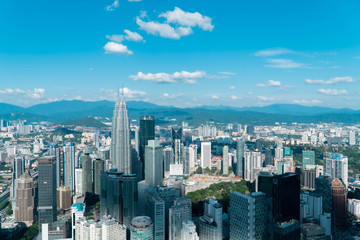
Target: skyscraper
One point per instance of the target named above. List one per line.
(206, 155)
(225, 162)
(188, 231)
(87, 182)
(352, 138)
(69, 165)
(118, 196)
(248, 216)
(308, 158)
(192, 157)
(323, 187)
(168, 158)
(240, 149)
(155, 208)
(147, 132)
(18, 170)
(210, 224)
(120, 138)
(153, 163)
(98, 169)
(47, 190)
(141, 228)
(339, 201)
(24, 210)
(336, 166)
(180, 212)
(54, 150)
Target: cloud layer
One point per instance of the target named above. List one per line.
(187, 77)
(331, 80)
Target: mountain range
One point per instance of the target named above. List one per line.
(61, 111)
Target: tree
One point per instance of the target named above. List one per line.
(199, 170)
(9, 210)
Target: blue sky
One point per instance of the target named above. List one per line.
(180, 52)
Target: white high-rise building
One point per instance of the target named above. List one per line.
(225, 162)
(188, 231)
(192, 157)
(252, 160)
(352, 139)
(69, 165)
(354, 207)
(106, 229)
(120, 138)
(336, 166)
(206, 155)
(78, 181)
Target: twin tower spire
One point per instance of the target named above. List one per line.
(120, 136)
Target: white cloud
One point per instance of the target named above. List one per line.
(128, 93)
(112, 7)
(187, 77)
(214, 97)
(36, 94)
(330, 81)
(307, 102)
(134, 0)
(188, 19)
(271, 83)
(283, 63)
(232, 87)
(129, 36)
(273, 52)
(166, 95)
(250, 93)
(264, 99)
(133, 36)
(113, 47)
(115, 38)
(182, 24)
(163, 29)
(233, 97)
(332, 92)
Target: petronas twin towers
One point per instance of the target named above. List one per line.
(120, 138)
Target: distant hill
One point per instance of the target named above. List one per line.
(85, 122)
(63, 131)
(77, 112)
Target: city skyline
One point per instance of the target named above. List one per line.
(181, 53)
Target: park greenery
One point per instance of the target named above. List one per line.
(220, 191)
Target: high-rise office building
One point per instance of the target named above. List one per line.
(308, 158)
(248, 216)
(225, 162)
(54, 150)
(188, 231)
(98, 168)
(146, 132)
(141, 228)
(336, 166)
(339, 201)
(210, 224)
(119, 196)
(323, 187)
(87, 181)
(24, 210)
(283, 204)
(154, 164)
(206, 155)
(78, 181)
(168, 158)
(309, 174)
(77, 213)
(240, 150)
(18, 170)
(63, 197)
(120, 138)
(192, 157)
(258, 144)
(178, 213)
(47, 190)
(268, 156)
(352, 138)
(155, 208)
(252, 160)
(69, 165)
(310, 206)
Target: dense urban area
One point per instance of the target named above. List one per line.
(136, 179)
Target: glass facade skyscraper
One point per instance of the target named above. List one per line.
(147, 132)
(308, 158)
(119, 196)
(154, 163)
(87, 183)
(240, 149)
(47, 190)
